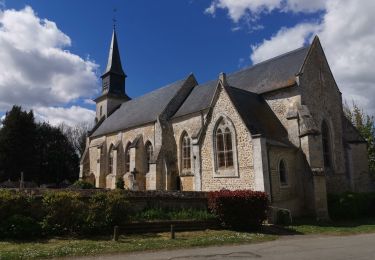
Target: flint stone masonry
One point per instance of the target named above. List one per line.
(244, 179)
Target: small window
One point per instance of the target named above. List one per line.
(110, 160)
(101, 111)
(186, 152)
(283, 173)
(127, 158)
(149, 153)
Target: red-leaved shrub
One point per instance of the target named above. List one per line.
(240, 209)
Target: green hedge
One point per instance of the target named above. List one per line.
(172, 214)
(60, 213)
(350, 205)
(80, 184)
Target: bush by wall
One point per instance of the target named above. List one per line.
(351, 205)
(65, 213)
(172, 214)
(24, 216)
(82, 185)
(241, 209)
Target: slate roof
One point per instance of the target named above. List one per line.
(199, 99)
(114, 60)
(257, 115)
(246, 84)
(139, 111)
(269, 75)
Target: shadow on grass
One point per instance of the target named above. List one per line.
(334, 223)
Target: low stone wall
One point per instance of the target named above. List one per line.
(140, 200)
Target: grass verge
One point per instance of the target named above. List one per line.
(79, 247)
(340, 228)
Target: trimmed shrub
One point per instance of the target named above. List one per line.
(82, 185)
(117, 208)
(172, 214)
(351, 205)
(106, 210)
(65, 213)
(20, 215)
(120, 184)
(12, 203)
(20, 227)
(240, 209)
(283, 217)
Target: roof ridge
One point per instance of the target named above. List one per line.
(271, 59)
(153, 91)
(255, 65)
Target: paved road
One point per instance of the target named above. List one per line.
(359, 247)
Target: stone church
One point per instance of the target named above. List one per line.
(277, 127)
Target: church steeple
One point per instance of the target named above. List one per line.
(114, 60)
(113, 83)
(113, 79)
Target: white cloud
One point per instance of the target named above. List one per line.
(71, 116)
(36, 70)
(238, 9)
(286, 39)
(89, 101)
(347, 34)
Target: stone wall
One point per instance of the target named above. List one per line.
(98, 155)
(283, 102)
(360, 180)
(321, 95)
(289, 196)
(191, 125)
(244, 178)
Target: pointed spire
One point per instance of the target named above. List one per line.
(114, 60)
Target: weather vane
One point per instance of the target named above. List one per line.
(114, 18)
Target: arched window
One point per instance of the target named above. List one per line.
(224, 146)
(149, 153)
(185, 152)
(127, 158)
(326, 142)
(283, 173)
(110, 160)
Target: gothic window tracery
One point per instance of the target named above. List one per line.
(186, 152)
(149, 154)
(224, 145)
(110, 160)
(127, 158)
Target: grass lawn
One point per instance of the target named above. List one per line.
(76, 247)
(58, 247)
(337, 228)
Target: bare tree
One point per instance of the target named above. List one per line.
(77, 135)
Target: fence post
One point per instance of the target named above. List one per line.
(172, 232)
(115, 233)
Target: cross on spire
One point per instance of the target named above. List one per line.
(114, 18)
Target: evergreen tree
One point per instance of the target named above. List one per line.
(57, 158)
(42, 152)
(17, 145)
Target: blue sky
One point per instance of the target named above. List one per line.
(163, 41)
